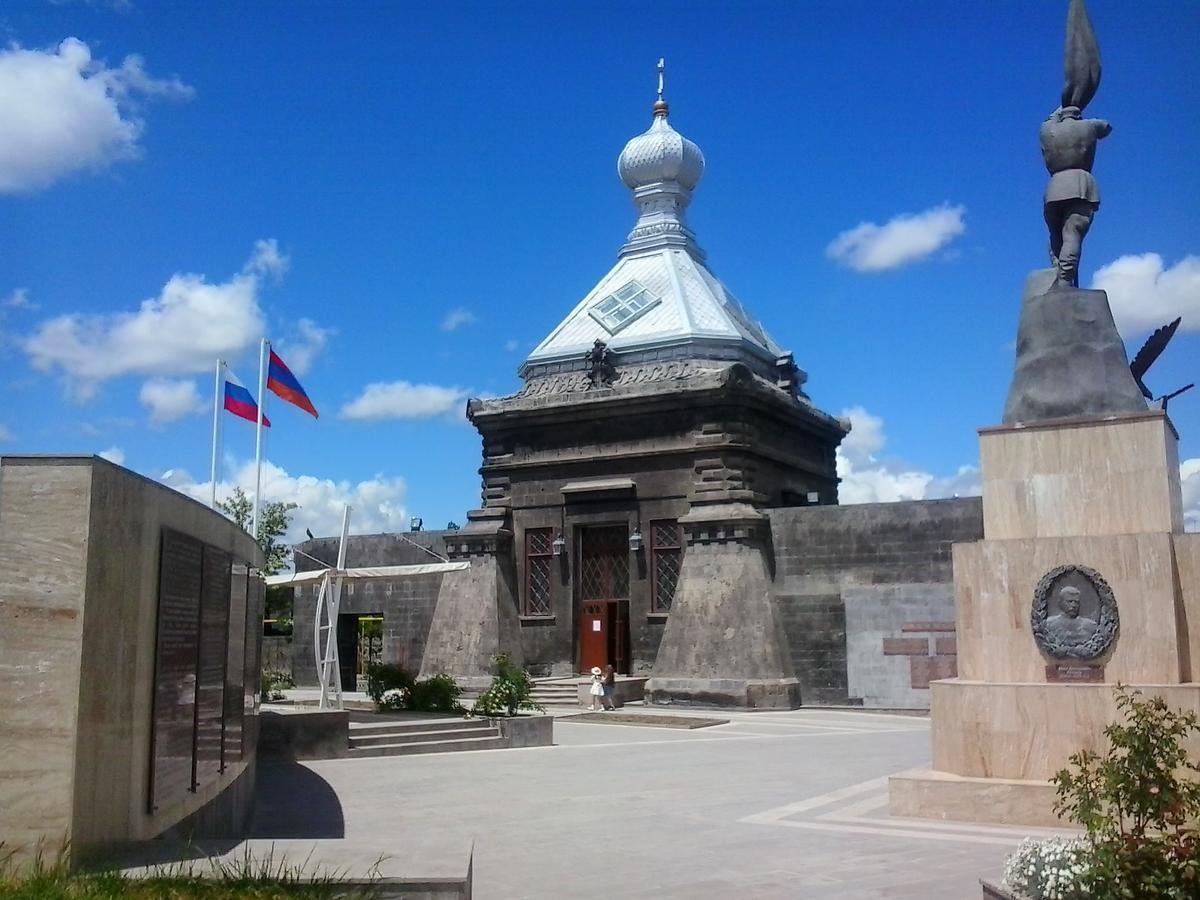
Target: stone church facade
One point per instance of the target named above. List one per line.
(641, 492)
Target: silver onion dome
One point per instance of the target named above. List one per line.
(660, 154)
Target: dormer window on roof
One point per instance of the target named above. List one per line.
(623, 306)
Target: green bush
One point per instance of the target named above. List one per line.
(437, 694)
(509, 691)
(1140, 804)
(383, 677)
(273, 683)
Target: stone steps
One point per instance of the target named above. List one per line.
(407, 738)
(555, 693)
(442, 745)
(365, 729)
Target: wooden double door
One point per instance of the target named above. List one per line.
(604, 598)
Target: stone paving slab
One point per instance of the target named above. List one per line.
(771, 805)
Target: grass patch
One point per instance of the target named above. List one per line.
(246, 877)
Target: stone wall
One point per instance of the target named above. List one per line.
(849, 578)
(406, 603)
(80, 564)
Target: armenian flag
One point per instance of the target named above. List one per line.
(240, 401)
(283, 383)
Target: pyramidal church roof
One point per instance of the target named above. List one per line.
(660, 301)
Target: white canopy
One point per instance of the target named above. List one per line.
(369, 572)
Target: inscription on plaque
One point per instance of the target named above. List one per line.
(214, 639)
(1066, 673)
(231, 743)
(175, 663)
(255, 599)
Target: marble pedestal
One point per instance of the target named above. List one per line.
(1099, 492)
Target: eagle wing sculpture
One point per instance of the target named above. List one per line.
(1151, 350)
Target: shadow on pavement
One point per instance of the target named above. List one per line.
(291, 801)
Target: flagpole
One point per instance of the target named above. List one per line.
(212, 501)
(258, 431)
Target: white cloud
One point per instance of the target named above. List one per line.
(300, 352)
(169, 400)
(113, 455)
(1144, 295)
(907, 238)
(1189, 476)
(401, 400)
(182, 331)
(62, 112)
(266, 259)
(18, 299)
(378, 503)
(868, 479)
(5, 435)
(457, 318)
(865, 438)
(510, 346)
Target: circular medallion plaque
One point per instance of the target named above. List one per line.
(1074, 614)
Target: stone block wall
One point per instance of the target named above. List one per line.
(81, 566)
(815, 626)
(406, 604)
(849, 578)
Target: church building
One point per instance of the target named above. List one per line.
(632, 488)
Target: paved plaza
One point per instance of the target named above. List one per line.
(785, 804)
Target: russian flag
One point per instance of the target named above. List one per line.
(282, 382)
(240, 401)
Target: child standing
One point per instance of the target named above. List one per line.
(597, 689)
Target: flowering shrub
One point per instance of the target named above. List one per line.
(510, 690)
(394, 698)
(1139, 801)
(1048, 870)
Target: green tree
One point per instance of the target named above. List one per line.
(273, 521)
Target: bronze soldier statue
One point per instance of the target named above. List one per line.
(1072, 198)
(1069, 149)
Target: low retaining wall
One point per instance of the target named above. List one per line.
(304, 733)
(526, 731)
(626, 690)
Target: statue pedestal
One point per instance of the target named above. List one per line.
(1100, 493)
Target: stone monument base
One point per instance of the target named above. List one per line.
(1097, 495)
(1070, 358)
(929, 794)
(996, 746)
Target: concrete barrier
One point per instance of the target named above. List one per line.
(298, 733)
(526, 731)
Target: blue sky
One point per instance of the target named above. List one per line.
(412, 196)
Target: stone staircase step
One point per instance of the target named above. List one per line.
(450, 746)
(389, 738)
(399, 727)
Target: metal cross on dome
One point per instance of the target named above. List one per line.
(662, 68)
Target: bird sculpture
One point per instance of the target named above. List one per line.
(1151, 350)
(308, 531)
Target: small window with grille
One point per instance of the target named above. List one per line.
(666, 552)
(539, 553)
(622, 306)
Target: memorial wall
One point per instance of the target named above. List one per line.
(130, 633)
